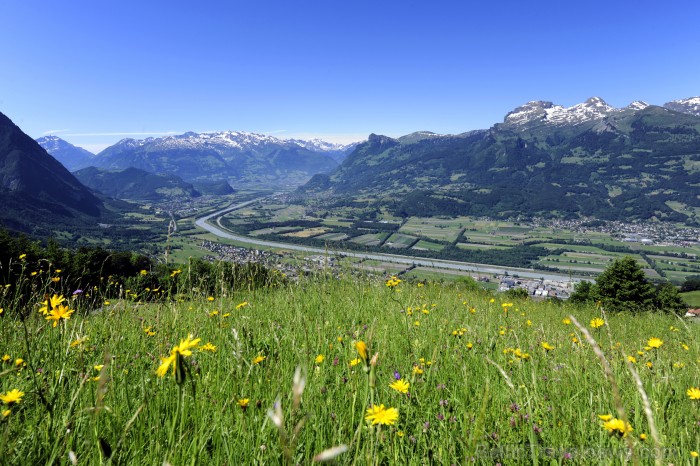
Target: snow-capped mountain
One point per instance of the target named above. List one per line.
(225, 140)
(690, 105)
(230, 155)
(319, 145)
(72, 157)
(593, 109)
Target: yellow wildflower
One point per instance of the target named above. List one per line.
(400, 386)
(361, 347)
(319, 359)
(597, 322)
(655, 343)
(51, 304)
(61, 312)
(208, 347)
(617, 427)
(241, 305)
(381, 415)
(258, 359)
(12, 397)
(693, 393)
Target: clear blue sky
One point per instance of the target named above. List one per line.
(97, 71)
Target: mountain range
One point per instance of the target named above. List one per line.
(637, 162)
(239, 157)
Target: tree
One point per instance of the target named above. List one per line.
(623, 287)
(583, 293)
(691, 284)
(668, 299)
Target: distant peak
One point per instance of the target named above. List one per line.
(691, 105)
(595, 101)
(638, 105)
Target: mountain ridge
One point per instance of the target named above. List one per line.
(638, 162)
(237, 156)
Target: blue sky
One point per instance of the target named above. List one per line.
(94, 72)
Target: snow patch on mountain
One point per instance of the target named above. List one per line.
(226, 140)
(690, 105)
(594, 108)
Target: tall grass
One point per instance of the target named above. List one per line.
(482, 389)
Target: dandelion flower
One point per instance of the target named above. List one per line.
(241, 305)
(12, 397)
(566, 321)
(597, 322)
(400, 386)
(319, 359)
(392, 282)
(58, 313)
(694, 454)
(208, 347)
(51, 303)
(184, 349)
(381, 415)
(547, 346)
(165, 365)
(258, 359)
(243, 403)
(210, 298)
(632, 359)
(655, 343)
(355, 362)
(693, 393)
(617, 427)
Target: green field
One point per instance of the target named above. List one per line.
(692, 298)
(211, 379)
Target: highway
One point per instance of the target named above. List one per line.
(220, 231)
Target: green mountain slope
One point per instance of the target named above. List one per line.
(34, 185)
(133, 183)
(633, 163)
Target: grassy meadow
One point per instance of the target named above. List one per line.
(388, 372)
